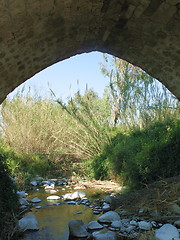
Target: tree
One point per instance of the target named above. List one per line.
(135, 95)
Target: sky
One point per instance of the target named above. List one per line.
(67, 77)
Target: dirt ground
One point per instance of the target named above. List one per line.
(153, 202)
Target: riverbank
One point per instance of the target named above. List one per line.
(141, 213)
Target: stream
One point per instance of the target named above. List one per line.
(54, 215)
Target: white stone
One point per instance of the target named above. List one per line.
(144, 225)
(167, 232)
(53, 197)
(50, 186)
(28, 222)
(94, 225)
(116, 224)
(104, 236)
(109, 217)
(36, 200)
(77, 229)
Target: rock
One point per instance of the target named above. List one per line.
(144, 225)
(28, 222)
(33, 182)
(71, 202)
(23, 201)
(104, 236)
(46, 182)
(109, 217)
(167, 232)
(36, 200)
(77, 229)
(38, 179)
(177, 224)
(54, 180)
(21, 194)
(130, 229)
(116, 224)
(52, 191)
(84, 201)
(133, 223)
(94, 225)
(74, 196)
(106, 207)
(109, 199)
(38, 207)
(53, 197)
(51, 186)
(175, 208)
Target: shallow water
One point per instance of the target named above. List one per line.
(53, 220)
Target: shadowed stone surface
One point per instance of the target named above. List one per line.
(38, 33)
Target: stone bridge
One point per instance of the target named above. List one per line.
(35, 34)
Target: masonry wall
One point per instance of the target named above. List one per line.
(38, 33)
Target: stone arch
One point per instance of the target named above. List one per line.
(38, 33)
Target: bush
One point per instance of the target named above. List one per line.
(8, 199)
(140, 157)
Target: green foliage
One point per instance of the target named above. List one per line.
(142, 156)
(8, 197)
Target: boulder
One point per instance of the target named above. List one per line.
(28, 222)
(167, 232)
(77, 229)
(109, 217)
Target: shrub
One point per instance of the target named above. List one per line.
(8, 199)
(140, 157)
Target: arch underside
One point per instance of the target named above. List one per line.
(38, 33)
